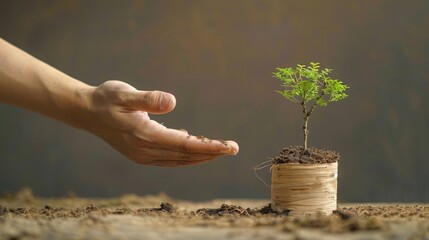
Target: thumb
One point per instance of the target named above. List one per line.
(156, 102)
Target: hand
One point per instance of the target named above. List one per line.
(118, 113)
(114, 111)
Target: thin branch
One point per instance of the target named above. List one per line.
(297, 79)
(321, 94)
(315, 103)
(304, 108)
(292, 77)
(313, 107)
(295, 100)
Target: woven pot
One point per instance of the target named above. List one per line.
(304, 188)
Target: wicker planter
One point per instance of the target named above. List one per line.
(304, 188)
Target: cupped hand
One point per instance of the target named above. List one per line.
(119, 115)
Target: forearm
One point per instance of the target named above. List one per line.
(114, 111)
(29, 83)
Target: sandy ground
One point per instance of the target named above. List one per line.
(23, 216)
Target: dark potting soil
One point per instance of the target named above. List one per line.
(297, 154)
(164, 207)
(226, 209)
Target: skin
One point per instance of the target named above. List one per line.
(114, 111)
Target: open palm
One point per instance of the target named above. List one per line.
(120, 117)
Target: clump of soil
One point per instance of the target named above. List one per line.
(226, 209)
(267, 209)
(297, 154)
(164, 207)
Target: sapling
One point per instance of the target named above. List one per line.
(309, 86)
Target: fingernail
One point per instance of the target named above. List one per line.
(233, 151)
(231, 147)
(165, 102)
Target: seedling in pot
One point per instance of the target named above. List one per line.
(310, 87)
(304, 180)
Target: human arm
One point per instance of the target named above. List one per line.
(113, 111)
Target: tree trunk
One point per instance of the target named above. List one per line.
(305, 128)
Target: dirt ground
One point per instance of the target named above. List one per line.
(23, 216)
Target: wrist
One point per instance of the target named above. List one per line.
(79, 110)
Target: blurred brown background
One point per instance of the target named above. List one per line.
(217, 58)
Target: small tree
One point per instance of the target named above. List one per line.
(309, 86)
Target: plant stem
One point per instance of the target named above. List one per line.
(306, 117)
(305, 128)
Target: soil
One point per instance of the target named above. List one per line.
(203, 139)
(297, 154)
(23, 216)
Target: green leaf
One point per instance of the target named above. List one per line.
(306, 83)
(308, 90)
(321, 102)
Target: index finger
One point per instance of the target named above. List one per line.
(181, 141)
